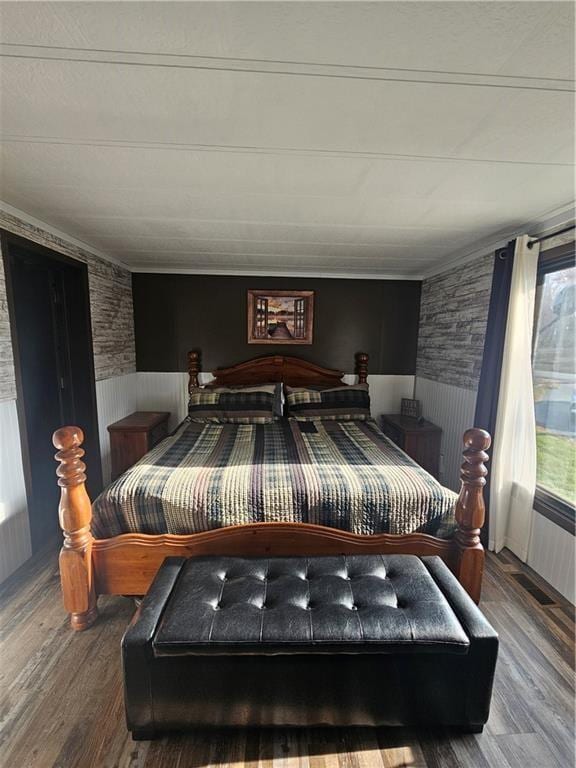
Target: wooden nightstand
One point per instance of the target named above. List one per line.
(132, 437)
(421, 441)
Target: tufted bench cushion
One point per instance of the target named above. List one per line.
(381, 604)
(307, 641)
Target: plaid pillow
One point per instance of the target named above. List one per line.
(344, 403)
(233, 405)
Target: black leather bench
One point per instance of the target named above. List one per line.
(335, 641)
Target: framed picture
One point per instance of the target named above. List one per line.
(280, 317)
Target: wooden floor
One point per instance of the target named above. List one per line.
(61, 694)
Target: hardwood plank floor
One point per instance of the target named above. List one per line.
(61, 700)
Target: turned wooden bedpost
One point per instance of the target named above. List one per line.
(75, 513)
(193, 370)
(470, 512)
(362, 367)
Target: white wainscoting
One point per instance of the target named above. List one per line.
(163, 392)
(386, 392)
(552, 549)
(15, 547)
(452, 409)
(551, 554)
(169, 392)
(115, 398)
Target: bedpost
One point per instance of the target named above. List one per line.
(362, 367)
(75, 513)
(470, 512)
(193, 370)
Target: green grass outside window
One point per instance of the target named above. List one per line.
(556, 456)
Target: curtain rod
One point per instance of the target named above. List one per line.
(548, 237)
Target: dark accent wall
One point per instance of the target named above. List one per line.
(176, 313)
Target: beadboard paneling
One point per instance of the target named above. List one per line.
(386, 392)
(552, 549)
(452, 409)
(163, 392)
(115, 399)
(551, 554)
(166, 392)
(15, 546)
(14, 528)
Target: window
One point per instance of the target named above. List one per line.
(299, 329)
(554, 375)
(261, 329)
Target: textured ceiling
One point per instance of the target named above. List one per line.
(370, 138)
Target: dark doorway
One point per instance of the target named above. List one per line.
(49, 308)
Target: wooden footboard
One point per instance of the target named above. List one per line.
(126, 565)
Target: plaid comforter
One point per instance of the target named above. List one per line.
(346, 475)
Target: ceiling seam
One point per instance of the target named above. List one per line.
(284, 61)
(176, 146)
(278, 73)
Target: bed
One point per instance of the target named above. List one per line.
(283, 488)
(345, 475)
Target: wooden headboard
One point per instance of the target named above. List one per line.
(291, 370)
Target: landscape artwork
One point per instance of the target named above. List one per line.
(280, 317)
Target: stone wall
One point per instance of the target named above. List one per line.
(453, 316)
(110, 308)
(7, 383)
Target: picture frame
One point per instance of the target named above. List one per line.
(280, 317)
(411, 408)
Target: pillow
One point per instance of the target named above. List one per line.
(344, 403)
(278, 394)
(234, 405)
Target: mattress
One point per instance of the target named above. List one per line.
(346, 475)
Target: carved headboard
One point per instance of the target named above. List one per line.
(291, 370)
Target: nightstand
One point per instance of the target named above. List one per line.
(420, 440)
(134, 436)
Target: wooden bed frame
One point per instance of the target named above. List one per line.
(126, 564)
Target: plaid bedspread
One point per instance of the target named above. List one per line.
(346, 475)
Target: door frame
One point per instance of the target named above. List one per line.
(8, 239)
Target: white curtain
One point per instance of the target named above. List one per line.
(514, 458)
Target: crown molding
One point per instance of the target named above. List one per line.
(552, 219)
(271, 273)
(542, 224)
(33, 221)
